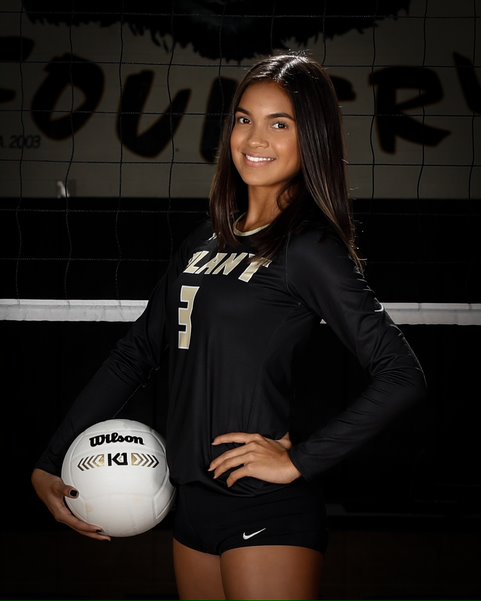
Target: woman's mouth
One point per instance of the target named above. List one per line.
(258, 160)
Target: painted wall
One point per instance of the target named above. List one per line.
(406, 83)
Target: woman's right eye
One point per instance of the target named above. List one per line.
(242, 120)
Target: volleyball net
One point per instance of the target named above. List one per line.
(110, 122)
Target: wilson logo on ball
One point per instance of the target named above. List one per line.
(100, 439)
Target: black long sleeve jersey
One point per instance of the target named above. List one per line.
(235, 328)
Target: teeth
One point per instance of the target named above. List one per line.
(258, 159)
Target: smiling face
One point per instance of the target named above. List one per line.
(264, 144)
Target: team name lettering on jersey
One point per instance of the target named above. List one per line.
(222, 263)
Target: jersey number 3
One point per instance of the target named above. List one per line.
(187, 296)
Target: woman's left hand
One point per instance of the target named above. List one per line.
(259, 457)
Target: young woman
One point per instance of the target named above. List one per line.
(238, 309)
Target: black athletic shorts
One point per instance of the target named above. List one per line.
(211, 522)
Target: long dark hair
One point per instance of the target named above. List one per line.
(319, 191)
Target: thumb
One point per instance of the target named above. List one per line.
(71, 492)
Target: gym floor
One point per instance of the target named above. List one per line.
(403, 559)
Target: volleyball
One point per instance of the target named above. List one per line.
(120, 470)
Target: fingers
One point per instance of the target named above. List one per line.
(238, 456)
(285, 441)
(239, 437)
(70, 492)
(69, 519)
(242, 472)
(52, 491)
(244, 437)
(230, 460)
(91, 531)
(65, 516)
(258, 457)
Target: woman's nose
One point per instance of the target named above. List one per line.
(257, 139)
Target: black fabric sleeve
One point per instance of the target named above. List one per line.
(129, 366)
(321, 273)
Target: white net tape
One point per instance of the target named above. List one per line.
(463, 314)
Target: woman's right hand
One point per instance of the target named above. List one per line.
(52, 491)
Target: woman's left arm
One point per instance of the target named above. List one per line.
(323, 276)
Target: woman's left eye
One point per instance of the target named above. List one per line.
(280, 125)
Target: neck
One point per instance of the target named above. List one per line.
(262, 210)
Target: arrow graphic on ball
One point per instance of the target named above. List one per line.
(87, 463)
(144, 460)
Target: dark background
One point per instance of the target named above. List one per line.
(404, 511)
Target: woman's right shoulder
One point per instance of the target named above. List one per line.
(202, 231)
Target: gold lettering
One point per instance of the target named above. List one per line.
(196, 257)
(253, 267)
(230, 263)
(210, 265)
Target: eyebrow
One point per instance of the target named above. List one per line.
(239, 109)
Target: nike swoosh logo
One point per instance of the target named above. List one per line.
(381, 308)
(248, 536)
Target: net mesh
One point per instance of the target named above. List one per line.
(111, 119)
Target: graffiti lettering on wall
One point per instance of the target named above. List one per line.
(68, 70)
